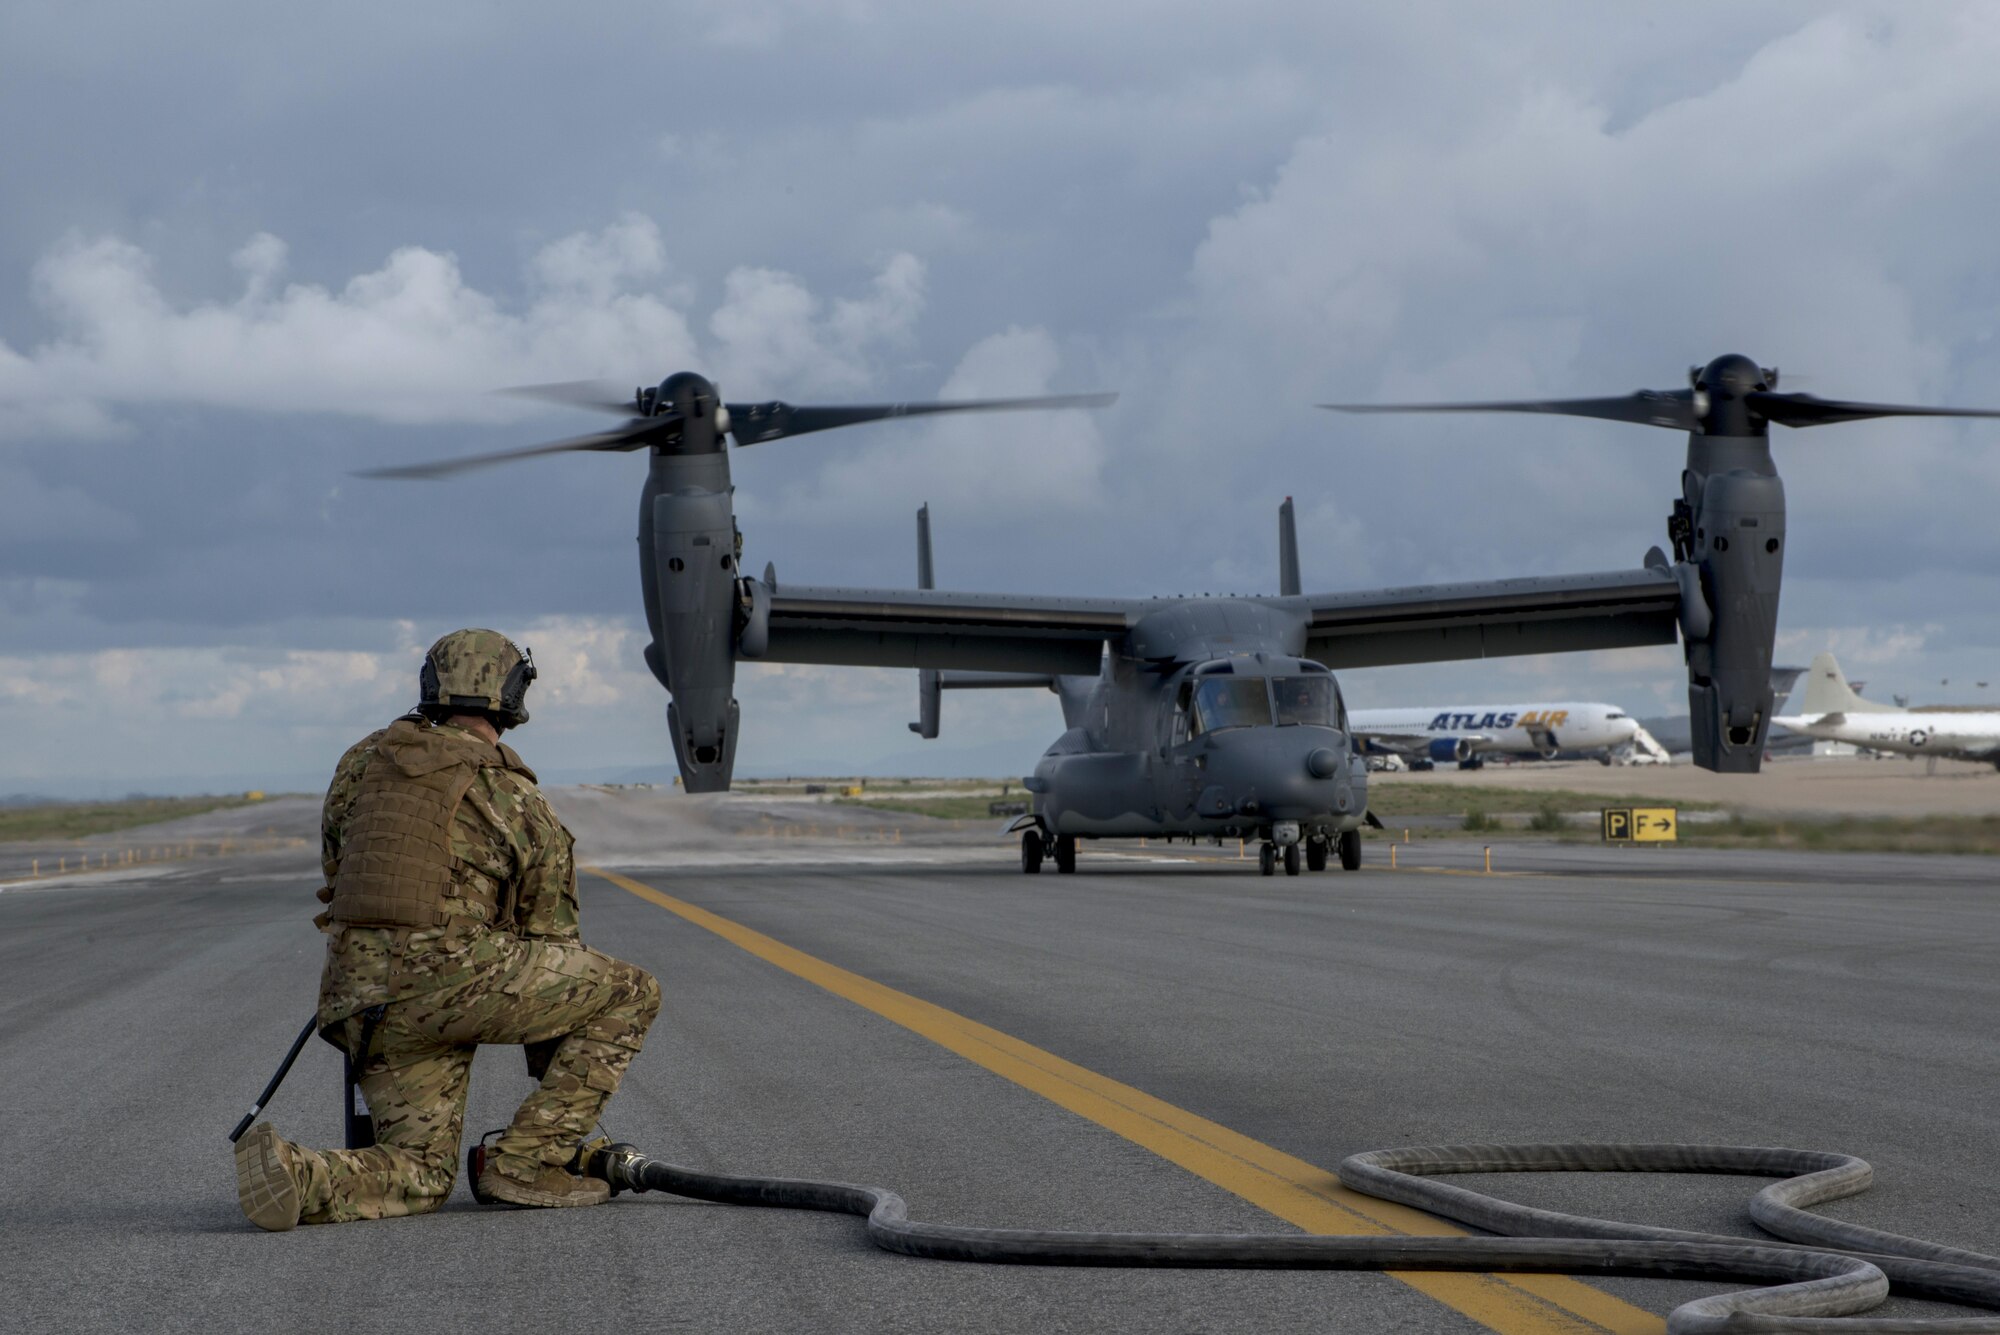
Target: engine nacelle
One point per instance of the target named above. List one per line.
(753, 617)
(1737, 546)
(1451, 748)
(688, 551)
(930, 695)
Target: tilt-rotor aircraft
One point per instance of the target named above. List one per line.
(1209, 716)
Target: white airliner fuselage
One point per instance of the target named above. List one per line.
(1465, 733)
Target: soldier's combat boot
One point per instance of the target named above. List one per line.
(512, 1179)
(265, 1187)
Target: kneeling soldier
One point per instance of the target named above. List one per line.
(451, 922)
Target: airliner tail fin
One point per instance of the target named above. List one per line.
(1827, 691)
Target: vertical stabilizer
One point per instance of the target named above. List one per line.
(929, 693)
(1827, 691)
(1783, 679)
(926, 577)
(1288, 551)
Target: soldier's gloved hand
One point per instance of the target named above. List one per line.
(539, 1056)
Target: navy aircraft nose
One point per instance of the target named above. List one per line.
(1323, 763)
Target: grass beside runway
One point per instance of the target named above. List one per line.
(1394, 798)
(973, 808)
(1458, 812)
(1392, 801)
(77, 820)
(1852, 834)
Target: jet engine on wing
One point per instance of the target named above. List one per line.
(1459, 749)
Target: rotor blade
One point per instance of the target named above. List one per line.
(1805, 410)
(603, 396)
(1647, 408)
(1674, 409)
(754, 423)
(635, 435)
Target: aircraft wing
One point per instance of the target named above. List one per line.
(1416, 743)
(1805, 723)
(925, 628)
(1403, 743)
(1494, 618)
(984, 632)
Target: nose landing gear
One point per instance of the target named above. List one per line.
(1035, 846)
(1267, 859)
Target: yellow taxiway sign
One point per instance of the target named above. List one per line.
(1641, 825)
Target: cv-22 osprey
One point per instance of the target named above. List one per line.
(1201, 716)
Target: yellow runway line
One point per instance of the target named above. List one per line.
(1290, 1188)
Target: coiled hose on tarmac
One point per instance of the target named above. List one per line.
(1827, 1271)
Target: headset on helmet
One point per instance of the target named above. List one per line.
(476, 670)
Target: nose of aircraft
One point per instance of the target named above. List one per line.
(1276, 773)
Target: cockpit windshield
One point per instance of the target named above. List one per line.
(1304, 700)
(1234, 702)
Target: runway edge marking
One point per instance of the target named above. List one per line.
(1290, 1188)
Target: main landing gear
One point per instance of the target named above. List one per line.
(1317, 853)
(1034, 847)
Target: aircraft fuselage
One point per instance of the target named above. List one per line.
(1204, 721)
(1958, 735)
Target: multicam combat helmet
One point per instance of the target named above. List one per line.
(477, 670)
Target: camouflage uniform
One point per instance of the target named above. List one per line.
(507, 968)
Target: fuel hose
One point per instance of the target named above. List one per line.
(1825, 1273)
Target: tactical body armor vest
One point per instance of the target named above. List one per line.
(396, 867)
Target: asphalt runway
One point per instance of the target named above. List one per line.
(1164, 1041)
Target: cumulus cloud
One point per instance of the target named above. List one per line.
(41, 512)
(772, 332)
(588, 663)
(182, 715)
(1229, 217)
(413, 340)
(977, 463)
(1551, 247)
(143, 711)
(1547, 241)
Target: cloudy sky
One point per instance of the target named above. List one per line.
(247, 251)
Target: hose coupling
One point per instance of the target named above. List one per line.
(613, 1162)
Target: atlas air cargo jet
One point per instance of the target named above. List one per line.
(1835, 712)
(1469, 733)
